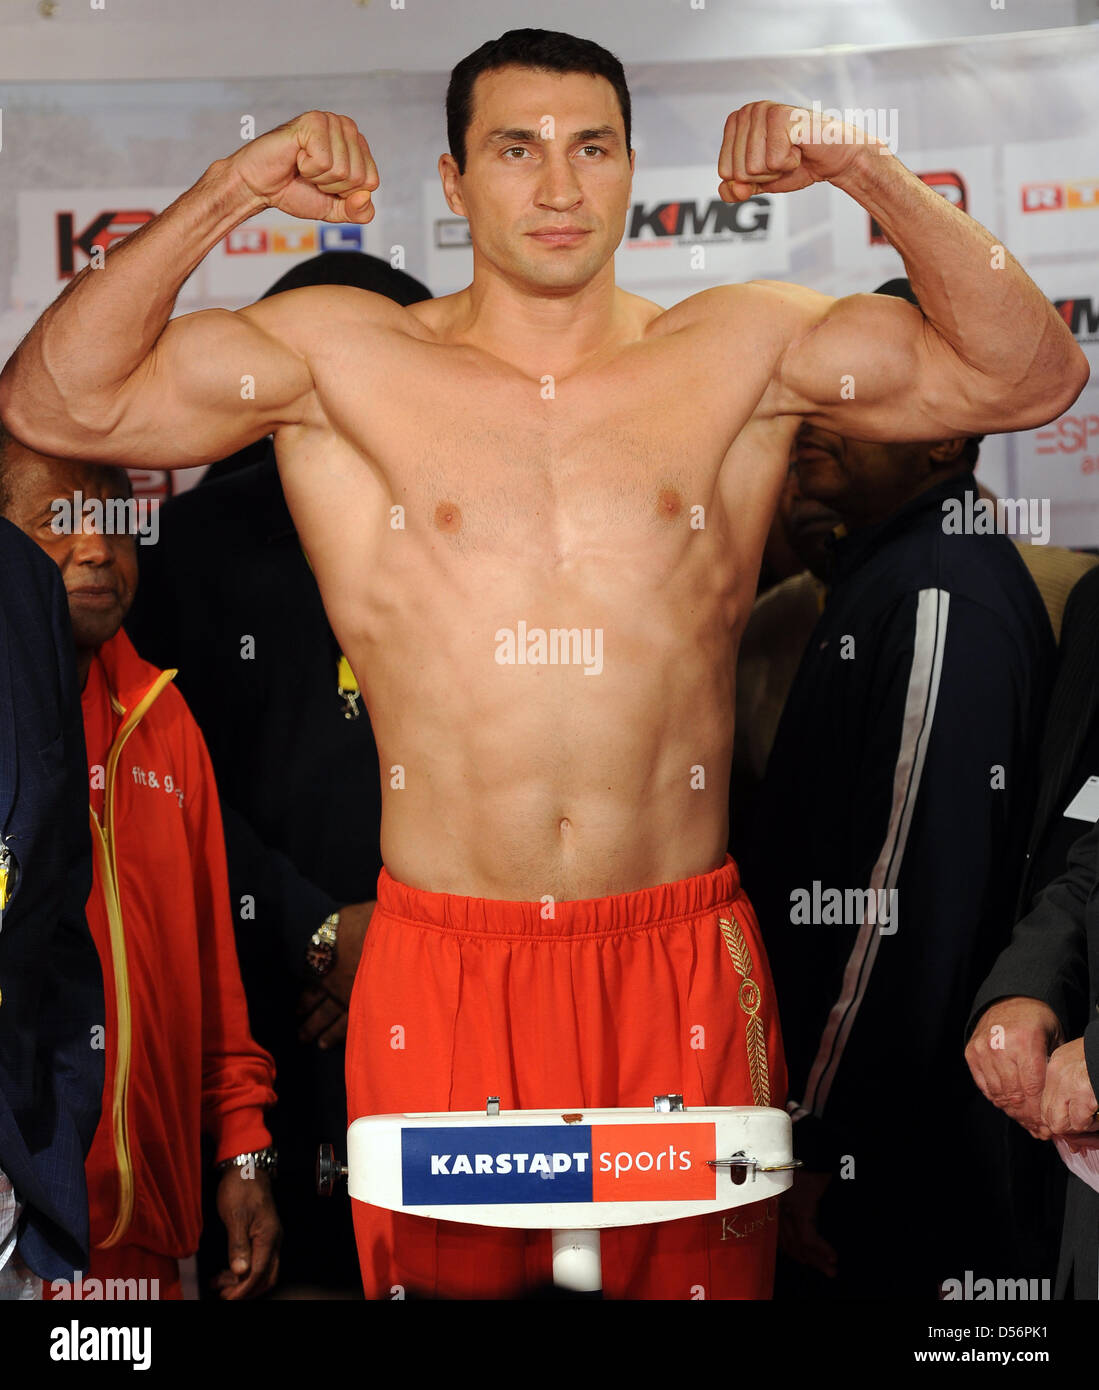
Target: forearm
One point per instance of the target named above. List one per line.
(973, 292)
(104, 325)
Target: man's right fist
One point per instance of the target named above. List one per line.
(316, 166)
(1008, 1053)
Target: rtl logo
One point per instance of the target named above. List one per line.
(1076, 195)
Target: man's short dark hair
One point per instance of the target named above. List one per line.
(544, 49)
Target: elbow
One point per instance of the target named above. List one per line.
(1066, 381)
(41, 423)
(28, 429)
(24, 425)
(1055, 393)
(1078, 374)
(13, 420)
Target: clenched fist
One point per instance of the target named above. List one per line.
(1008, 1055)
(317, 166)
(1068, 1101)
(783, 148)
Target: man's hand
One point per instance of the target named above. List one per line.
(1008, 1055)
(783, 148)
(324, 1004)
(1068, 1101)
(247, 1209)
(317, 166)
(798, 1236)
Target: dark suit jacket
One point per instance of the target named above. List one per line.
(51, 988)
(1073, 710)
(1053, 954)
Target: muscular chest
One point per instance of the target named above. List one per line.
(556, 471)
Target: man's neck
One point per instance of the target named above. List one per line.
(542, 331)
(856, 521)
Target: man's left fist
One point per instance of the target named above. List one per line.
(1068, 1101)
(784, 148)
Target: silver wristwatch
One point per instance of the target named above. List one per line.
(267, 1159)
(320, 954)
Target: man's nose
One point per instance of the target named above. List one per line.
(91, 546)
(559, 187)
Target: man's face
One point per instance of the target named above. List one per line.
(808, 524)
(99, 571)
(544, 151)
(862, 481)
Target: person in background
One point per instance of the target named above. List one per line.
(788, 604)
(1044, 987)
(179, 1056)
(228, 597)
(792, 591)
(51, 988)
(900, 787)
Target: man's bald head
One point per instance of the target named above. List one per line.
(67, 508)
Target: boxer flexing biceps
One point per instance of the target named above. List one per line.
(536, 510)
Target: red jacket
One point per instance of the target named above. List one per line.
(180, 1057)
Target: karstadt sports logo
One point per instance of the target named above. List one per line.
(508, 1164)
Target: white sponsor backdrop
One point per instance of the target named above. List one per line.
(1005, 124)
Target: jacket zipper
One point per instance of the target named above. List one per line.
(105, 846)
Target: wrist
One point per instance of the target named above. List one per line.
(247, 1165)
(864, 172)
(321, 952)
(225, 181)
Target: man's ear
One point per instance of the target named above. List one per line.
(448, 173)
(946, 452)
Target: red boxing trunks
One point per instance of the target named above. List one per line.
(607, 1003)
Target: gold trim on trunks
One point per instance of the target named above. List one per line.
(750, 1000)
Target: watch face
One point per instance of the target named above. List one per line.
(319, 957)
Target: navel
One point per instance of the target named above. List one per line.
(448, 517)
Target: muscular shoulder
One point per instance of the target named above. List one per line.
(315, 314)
(761, 311)
(759, 322)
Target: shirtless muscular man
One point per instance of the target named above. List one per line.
(536, 510)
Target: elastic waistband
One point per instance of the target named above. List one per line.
(645, 907)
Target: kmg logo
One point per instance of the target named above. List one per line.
(1082, 316)
(665, 222)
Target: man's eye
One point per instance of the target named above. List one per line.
(512, 151)
(597, 148)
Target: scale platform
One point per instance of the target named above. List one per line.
(570, 1172)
